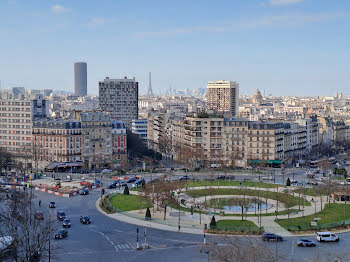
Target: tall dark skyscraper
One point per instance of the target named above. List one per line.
(80, 79)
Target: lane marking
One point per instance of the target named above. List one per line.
(109, 240)
(117, 231)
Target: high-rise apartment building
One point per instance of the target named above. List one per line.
(80, 79)
(17, 113)
(223, 97)
(119, 97)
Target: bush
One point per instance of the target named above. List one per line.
(148, 214)
(213, 223)
(126, 191)
(288, 182)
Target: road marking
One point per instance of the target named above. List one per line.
(117, 231)
(110, 241)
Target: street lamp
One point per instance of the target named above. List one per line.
(178, 199)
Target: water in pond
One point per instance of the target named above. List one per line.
(252, 207)
(234, 205)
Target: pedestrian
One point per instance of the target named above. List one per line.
(39, 203)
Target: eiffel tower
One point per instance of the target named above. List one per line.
(150, 91)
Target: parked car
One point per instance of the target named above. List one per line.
(306, 243)
(66, 222)
(121, 183)
(61, 215)
(326, 237)
(271, 236)
(62, 233)
(106, 171)
(221, 178)
(52, 205)
(85, 220)
(39, 215)
(84, 191)
(131, 180)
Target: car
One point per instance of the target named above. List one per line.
(271, 236)
(62, 233)
(52, 205)
(113, 185)
(221, 178)
(84, 191)
(326, 237)
(140, 182)
(267, 178)
(107, 171)
(306, 243)
(121, 184)
(131, 180)
(85, 220)
(39, 215)
(184, 178)
(66, 222)
(61, 215)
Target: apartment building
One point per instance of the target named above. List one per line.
(56, 140)
(223, 97)
(295, 140)
(96, 139)
(119, 97)
(119, 141)
(139, 127)
(18, 110)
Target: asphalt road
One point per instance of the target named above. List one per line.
(106, 239)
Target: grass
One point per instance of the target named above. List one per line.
(331, 214)
(241, 226)
(282, 197)
(128, 202)
(229, 183)
(309, 191)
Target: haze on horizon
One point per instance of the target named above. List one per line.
(285, 47)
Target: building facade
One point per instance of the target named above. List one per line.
(96, 139)
(17, 113)
(56, 140)
(119, 97)
(80, 79)
(223, 97)
(139, 127)
(119, 142)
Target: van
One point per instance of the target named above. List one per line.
(326, 237)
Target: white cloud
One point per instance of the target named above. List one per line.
(284, 2)
(59, 9)
(245, 24)
(98, 21)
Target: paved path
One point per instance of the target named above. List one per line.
(190, 223)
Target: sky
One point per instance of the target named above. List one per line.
(285, 47)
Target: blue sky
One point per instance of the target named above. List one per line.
(285, 47)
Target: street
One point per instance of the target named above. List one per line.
(111, 240)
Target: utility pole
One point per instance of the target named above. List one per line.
(137, 239)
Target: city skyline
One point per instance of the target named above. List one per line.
(285, 47)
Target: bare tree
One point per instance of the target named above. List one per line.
(242, 249)
(31, 237)
(6, 159)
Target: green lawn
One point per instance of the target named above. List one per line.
(128, 202)
(332, 213)
(236, 226)
(229, 183)
(309, 191)
(282, 197)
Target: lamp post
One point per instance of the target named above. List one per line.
(178, 199)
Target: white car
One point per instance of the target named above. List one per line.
(326, 237)
(267, 178)
(106, 170)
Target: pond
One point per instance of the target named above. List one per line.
(234, 204)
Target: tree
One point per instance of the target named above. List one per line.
(288, 182)
(6, 159)
(126, 190)
(32, 237)
(148, 214)
(242, 249)
(213, 223)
